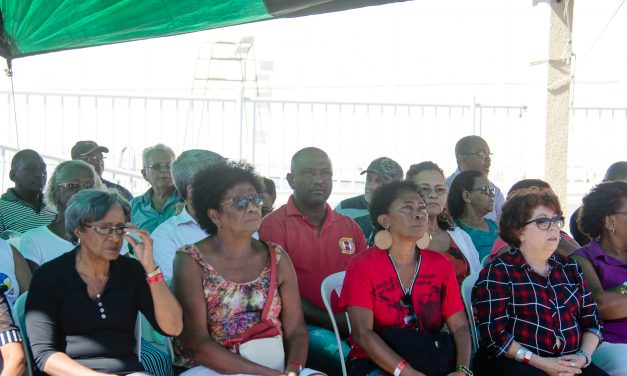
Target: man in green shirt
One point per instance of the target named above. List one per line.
(160, 201)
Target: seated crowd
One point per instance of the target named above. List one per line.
(200, 275)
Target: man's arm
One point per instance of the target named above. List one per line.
(10, 342)
(319, 317)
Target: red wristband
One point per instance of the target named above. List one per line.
(399, 367)
(154, 279)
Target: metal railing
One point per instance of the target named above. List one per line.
(266, 132)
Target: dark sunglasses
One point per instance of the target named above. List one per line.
(406, 303)
(241, 202)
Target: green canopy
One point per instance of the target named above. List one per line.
(29, 27)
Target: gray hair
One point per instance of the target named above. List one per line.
(51, 194)
(187, 165)
(91, 205)
(150, 149)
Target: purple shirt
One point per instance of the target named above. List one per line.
(611, 272)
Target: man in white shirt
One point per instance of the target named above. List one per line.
(473, 153)
(182, 229)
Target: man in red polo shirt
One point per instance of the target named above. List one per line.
(319, 241)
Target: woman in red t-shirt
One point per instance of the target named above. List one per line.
(396, 285)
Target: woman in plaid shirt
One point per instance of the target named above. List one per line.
(536, 315)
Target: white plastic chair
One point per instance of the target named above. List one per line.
(20, 320)
(334, 282)
(467, 286)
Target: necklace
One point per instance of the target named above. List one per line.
(98, 289)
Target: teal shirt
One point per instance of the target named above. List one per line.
(483, 240)
(143, 215)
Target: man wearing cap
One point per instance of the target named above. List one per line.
(91, 152)
(381, 170)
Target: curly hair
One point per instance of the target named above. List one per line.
(465, 181)
(518, 208)
(445, 222)
(603, 200)
(211, 184)
(383, 197)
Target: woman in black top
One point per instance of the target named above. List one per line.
(82, 306)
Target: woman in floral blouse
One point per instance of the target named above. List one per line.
(224, 280)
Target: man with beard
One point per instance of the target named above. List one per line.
(159, 202)
(473, 153)
(22, 207)
(320, 242)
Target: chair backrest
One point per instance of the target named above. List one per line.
(467, 286)
(332, 283)
(19, 308)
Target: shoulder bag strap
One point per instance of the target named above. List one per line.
(273, 278)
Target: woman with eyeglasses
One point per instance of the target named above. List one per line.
(567, 244)
(82, 307)
(535, 313)
(230, 284)
(603, 218)
(45, 243)
(444, 237)
(398, 297)
(470, 199)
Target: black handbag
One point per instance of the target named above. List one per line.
(430, 353)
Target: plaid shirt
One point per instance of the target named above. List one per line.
(547, 315)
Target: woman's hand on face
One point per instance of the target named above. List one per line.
(142, 248)
(553, 367)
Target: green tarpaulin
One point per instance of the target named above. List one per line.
(30, 27)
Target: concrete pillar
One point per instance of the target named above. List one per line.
(558, 95)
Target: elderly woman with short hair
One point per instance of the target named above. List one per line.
(536, 315)
(42, 244)
(83, 305)
(603, 217)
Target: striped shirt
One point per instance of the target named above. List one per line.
(547, 315)
(17, 215)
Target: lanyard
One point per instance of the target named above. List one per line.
(407, 290)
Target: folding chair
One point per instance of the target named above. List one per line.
(467, 286)
(20, 320)
(334, 282)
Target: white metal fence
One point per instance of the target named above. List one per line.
(267, 132)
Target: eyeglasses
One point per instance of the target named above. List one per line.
(241, 202)
(620, 213)
(107, 230)
(75, 187)
(426, 191)
(488, 190)
(160, 166)
(406, 303)
(480, 154)
(93, 158)
(545, 223)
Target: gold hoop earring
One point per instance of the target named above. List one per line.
(383, 239)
